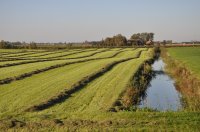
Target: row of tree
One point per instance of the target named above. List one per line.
(6, 45)
(13, 45)
(117, 40)
(142, 38)
(136, 39)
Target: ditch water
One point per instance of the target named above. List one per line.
(161, 94)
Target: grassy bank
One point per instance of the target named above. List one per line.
(182, 65)
(189, 56)
(107, 121)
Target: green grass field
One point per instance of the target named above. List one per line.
(190, 56)
(184, 66)
(86, 108)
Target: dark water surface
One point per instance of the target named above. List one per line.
(161, 93)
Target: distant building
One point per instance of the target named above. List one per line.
(150, 42)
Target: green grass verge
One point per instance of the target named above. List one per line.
(190, 56)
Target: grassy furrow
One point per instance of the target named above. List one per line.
(102, 54)
(54, 54)
(75, 55)
(26, 53)
(19, 54)
(116, 49)
(17, 62)
(100, 94)
(18, 70)
(128, 51)
(86, 109)
(30, 53)
(111, 52)
(77, 86)
(10, 63)
(83, 54)
(31, 70)
(16, 51)
(39, 88)
(15, 72)
(46, 59)
(7, 59)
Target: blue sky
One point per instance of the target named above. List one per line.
(80, 20)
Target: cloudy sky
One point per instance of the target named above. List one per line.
(80, 20)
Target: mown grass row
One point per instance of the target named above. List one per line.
(34, 61)
(23, 54)
(83, 55)
(53, 54)
(17, 70)
(17, 51)
(32, 53)
(5, 59)
(9, 63)
(20, 62)
(50, 58)
(79, 85)
(97, 94)
(5, 72)
(85, 109)
(50, 54)
(39, 59)
(10, 56)
(33, 90)
(72, 52)
(19, 54)
(28, 58)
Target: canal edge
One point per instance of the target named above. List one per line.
(185, 82)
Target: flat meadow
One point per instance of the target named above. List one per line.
(75, 89)
(189, 56)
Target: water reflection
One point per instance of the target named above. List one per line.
(161, 93)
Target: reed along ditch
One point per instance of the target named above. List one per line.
(161, 93)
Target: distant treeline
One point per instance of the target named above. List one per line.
(138, 39)
(119, 40)
(33, 45)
